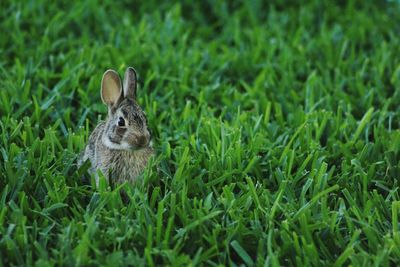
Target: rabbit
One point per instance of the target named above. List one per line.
(121, 145)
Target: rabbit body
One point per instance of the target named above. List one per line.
(120, 146)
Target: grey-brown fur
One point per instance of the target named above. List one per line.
(120, 151)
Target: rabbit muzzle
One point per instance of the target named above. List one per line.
(138, 141)
(142, 141)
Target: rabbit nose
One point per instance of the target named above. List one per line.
(142, 140)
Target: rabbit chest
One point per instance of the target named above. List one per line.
(126, 165)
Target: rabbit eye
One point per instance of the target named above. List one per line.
(121, 122)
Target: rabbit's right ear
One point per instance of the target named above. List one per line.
(111, 87)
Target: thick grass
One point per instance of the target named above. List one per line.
(276, 127)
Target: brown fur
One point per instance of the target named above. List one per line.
(120, 152)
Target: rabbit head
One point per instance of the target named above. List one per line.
(126, 124)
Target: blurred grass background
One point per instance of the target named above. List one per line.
(276, 125)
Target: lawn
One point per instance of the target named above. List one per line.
(276, 127)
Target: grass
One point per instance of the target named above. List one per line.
(276, 128)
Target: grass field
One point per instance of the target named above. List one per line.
(276, 128)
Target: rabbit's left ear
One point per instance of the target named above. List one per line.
(130, 83)
(110, 88)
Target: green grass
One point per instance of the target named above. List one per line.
(276, 128)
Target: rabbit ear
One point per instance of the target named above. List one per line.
(110, 87)
(130, 82)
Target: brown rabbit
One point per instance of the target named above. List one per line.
(119, 146)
